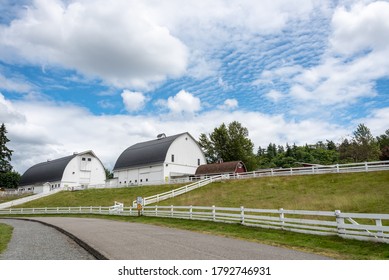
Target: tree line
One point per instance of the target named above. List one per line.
(231, 142)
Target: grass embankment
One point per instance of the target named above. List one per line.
(12, 197)
(96, 197)
(354, 192)
(5, 236)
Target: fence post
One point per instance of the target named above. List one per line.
(282, 217)
(380, 233)
(337, 168)
(242, 215)
(340, 223)
(271, 171)
(291, 171)
(171, 210)
(213, 213)
(366, 167)
(156, 210)
(45, 210)
(190, 212)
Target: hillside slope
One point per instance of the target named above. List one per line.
(353, 192)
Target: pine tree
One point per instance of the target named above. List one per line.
(5, 153)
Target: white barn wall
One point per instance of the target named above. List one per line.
(79, 172)
(187, 155)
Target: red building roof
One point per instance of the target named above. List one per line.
(221, 168)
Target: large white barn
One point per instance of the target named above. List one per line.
(78, 170)
(157, 161)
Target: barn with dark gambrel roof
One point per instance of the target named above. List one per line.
(159, 160)
(80, 169)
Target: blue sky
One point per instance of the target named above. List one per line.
(80, 75)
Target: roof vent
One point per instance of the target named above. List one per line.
(161, 136)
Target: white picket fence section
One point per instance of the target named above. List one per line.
(28, 198)
(173, 193)
(368, 227)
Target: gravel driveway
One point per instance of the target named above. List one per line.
(34, 241)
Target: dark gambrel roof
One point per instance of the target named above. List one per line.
(49, 171)
(219, 168)
(144, 153)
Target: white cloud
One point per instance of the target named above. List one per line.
(362, 27)
(184, 102)
(8, 113)
(229, 104)
(354, 59)
(12, 84)
(274, 95)
(133, 101)
(119, 42)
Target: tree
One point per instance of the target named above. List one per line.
(5, 153)
(229, 143)
(108, 174)
(9, 179)
(367, 148)
(383, 142)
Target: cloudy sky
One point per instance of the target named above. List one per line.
(80, 75)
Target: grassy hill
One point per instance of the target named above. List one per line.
(354, 192)
(97, 197)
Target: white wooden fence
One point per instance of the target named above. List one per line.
(312, 170)
(371, 227)
(173, 193)
(28, 198)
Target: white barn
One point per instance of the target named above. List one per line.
(78, 170)
(157, 161)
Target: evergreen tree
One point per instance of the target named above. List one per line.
(5, 153)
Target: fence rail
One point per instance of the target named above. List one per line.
(360, 226)
(173, 193)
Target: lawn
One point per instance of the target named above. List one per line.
(353, 192)
(97, 197)
(5, 236)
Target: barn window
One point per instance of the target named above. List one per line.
(198, 161)
(172, 158)
(89, 159)
(141, 180)
(83, 159)
(147, 179)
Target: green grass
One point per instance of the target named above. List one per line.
(12, 197)
(5, 236)
(96, 197)
(354, 192)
